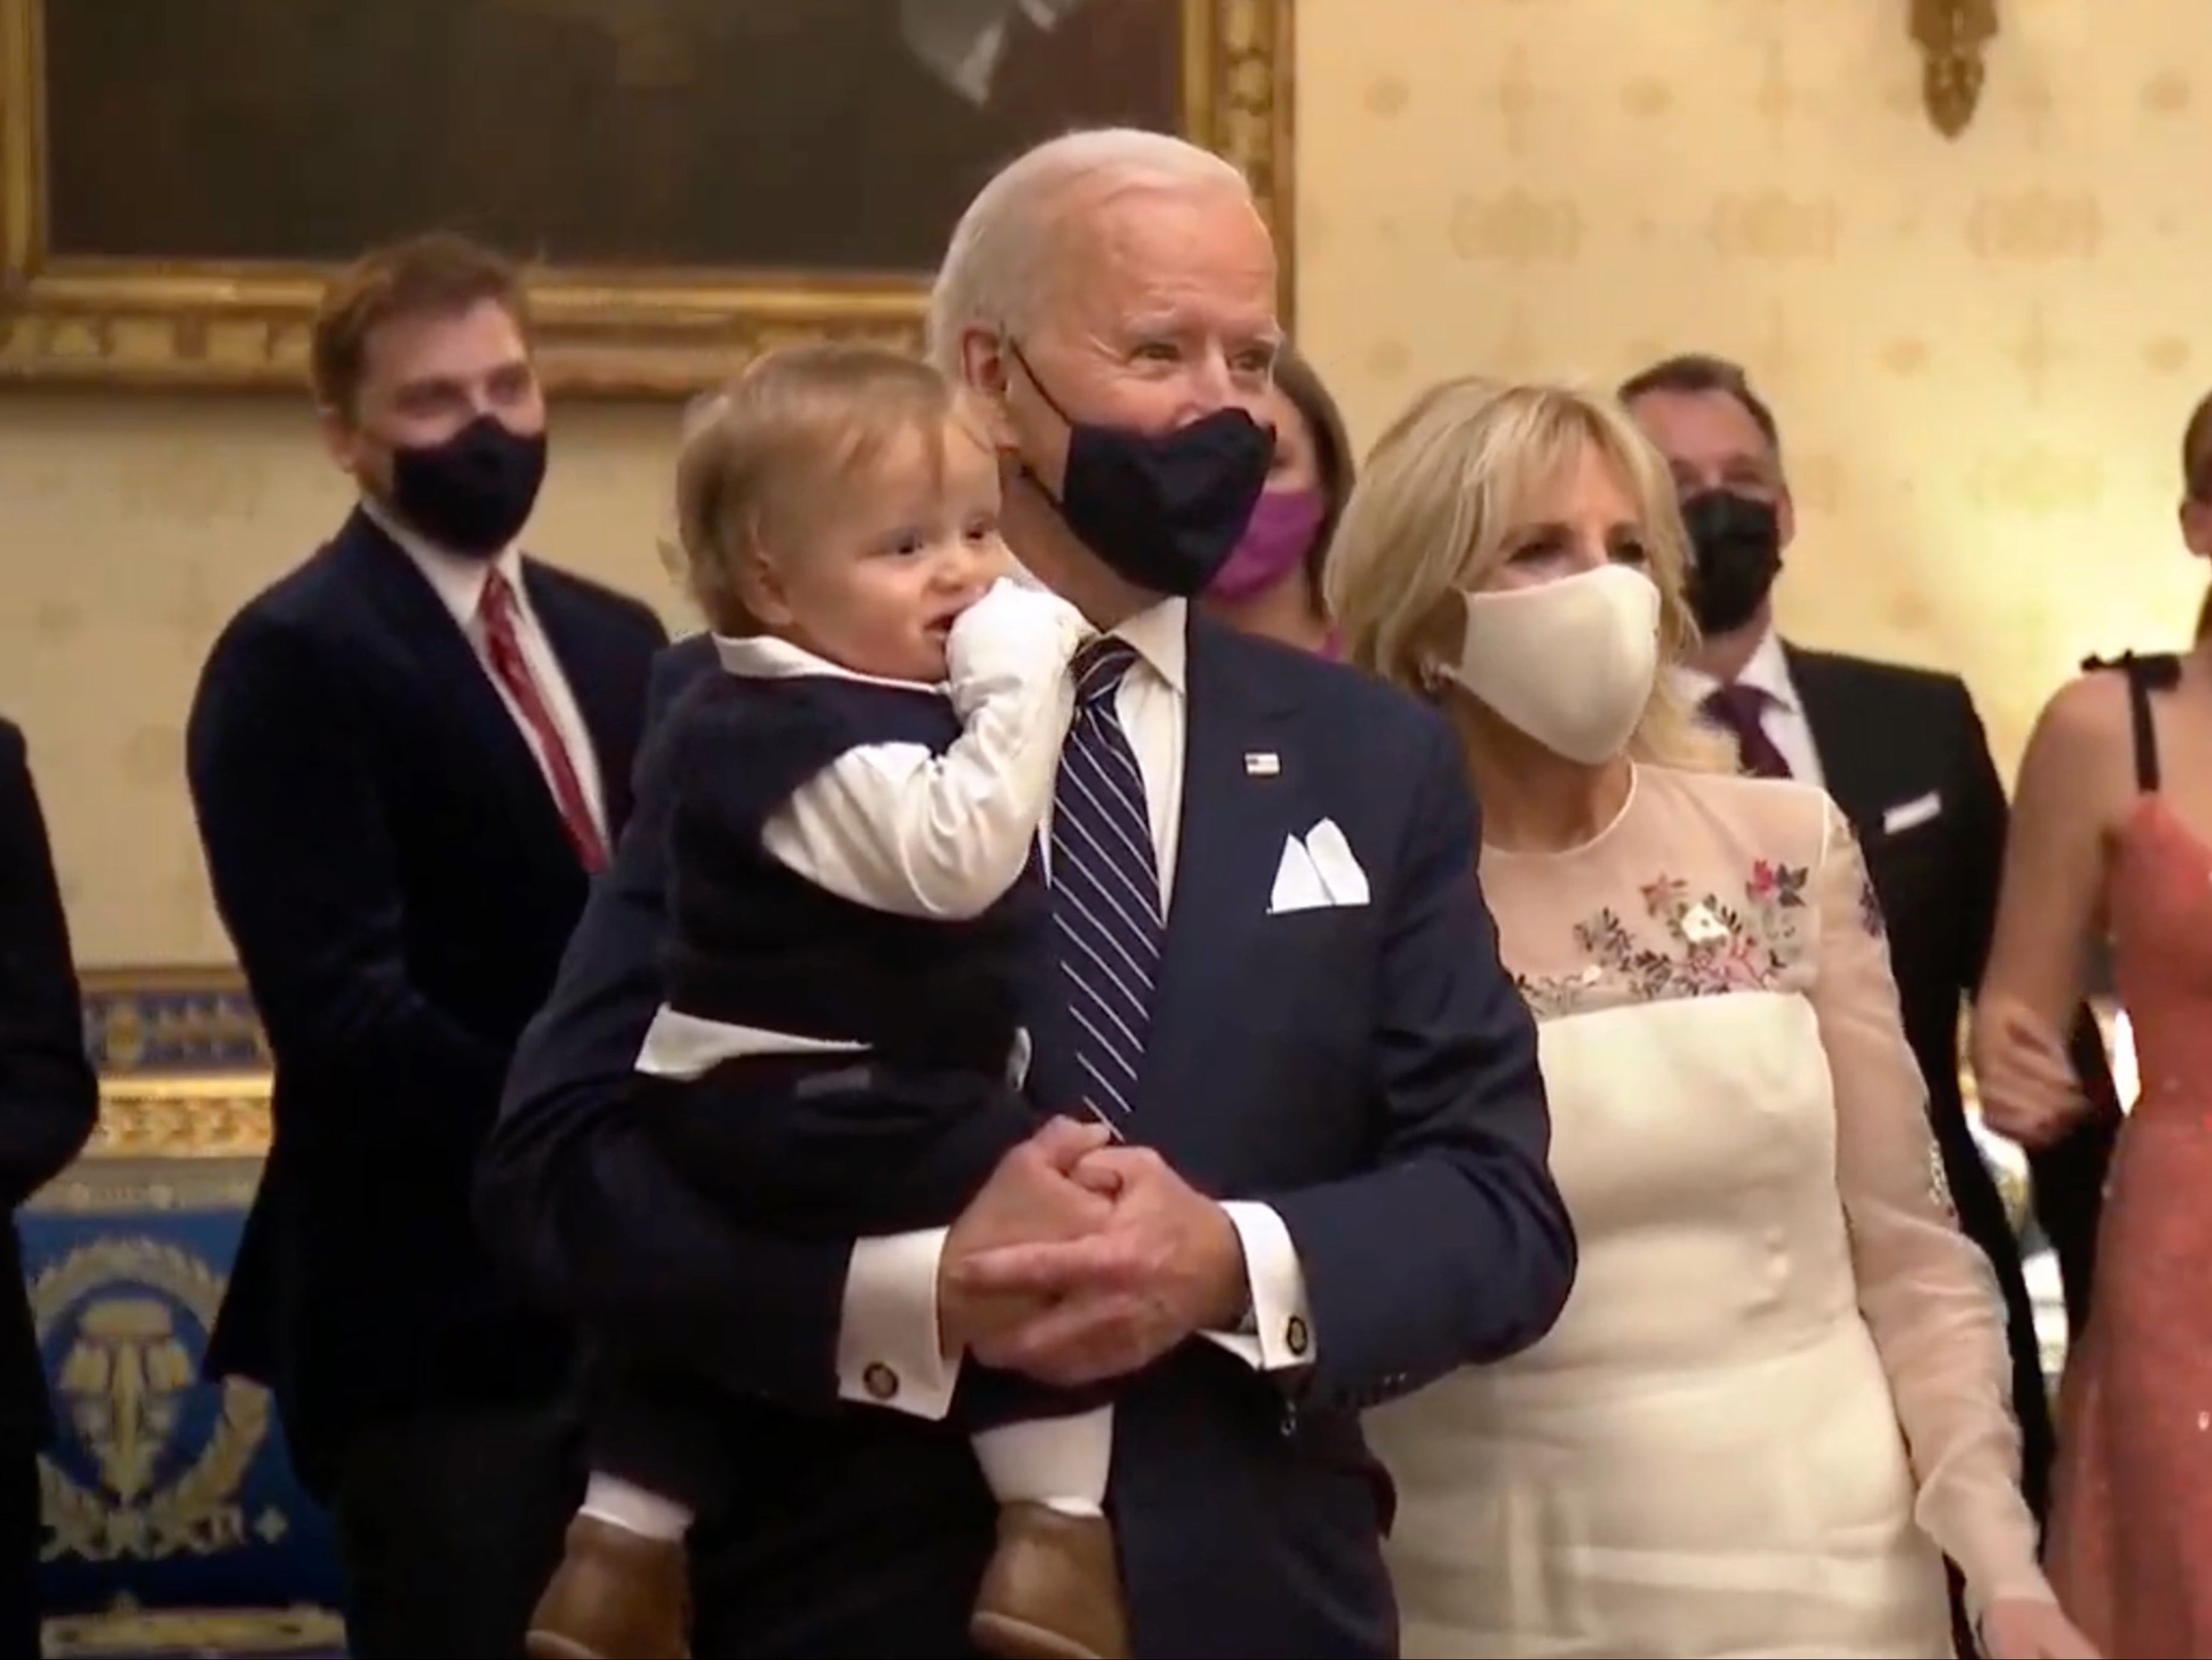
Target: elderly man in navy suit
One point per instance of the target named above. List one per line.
(1330, 1186)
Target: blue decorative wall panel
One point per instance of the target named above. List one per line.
(174, 1522)
(171, 1491)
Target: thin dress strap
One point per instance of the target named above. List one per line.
(2157, 672)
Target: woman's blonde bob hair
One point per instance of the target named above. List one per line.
(1434, 515)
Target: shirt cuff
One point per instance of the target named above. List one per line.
(1276, 1333)
(889, 1350)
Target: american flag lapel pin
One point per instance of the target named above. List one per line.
(1261, 764)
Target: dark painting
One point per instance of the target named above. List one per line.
(805, 135)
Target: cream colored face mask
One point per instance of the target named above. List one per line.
(1569, 662)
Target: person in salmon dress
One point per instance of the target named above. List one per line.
(2113, 840)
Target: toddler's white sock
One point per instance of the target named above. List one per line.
(626, 1505)
(1059, 1462)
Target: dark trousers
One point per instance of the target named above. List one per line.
(449, 1523)
(858, 1534)
(20, 1534)
(2069, 1194)
(818, 1148)
(833, 1147)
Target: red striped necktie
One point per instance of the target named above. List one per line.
(513, 670)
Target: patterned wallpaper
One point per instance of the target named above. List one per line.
(130, 528)
(1981, 351)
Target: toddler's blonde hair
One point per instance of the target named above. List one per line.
(762, 458)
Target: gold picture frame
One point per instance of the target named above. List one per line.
(180, 324)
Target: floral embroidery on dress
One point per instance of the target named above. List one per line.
(1870, 916)
(1712, 945)
(1939, 1181)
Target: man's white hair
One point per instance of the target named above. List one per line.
(996, 261)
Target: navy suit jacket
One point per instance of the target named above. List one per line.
(49, 1095)
(399, 885)
(1371, 1072)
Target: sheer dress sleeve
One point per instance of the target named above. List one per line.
(1926, 1289)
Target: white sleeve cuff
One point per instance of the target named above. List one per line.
(1277, 1335)
(889, 1352)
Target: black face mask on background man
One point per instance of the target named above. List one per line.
(1164, 510)
(473, 493)
(1736, 544)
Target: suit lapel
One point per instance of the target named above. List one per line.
(454, 678)
(1231, 830)
(1853, 755)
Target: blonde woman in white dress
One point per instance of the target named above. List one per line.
(1778, 1397)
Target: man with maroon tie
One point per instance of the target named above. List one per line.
(407, 757)
(1902, 752)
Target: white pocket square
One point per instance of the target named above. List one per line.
(1317, 873)
(1342, 879)
(1298, 884)
(1907, 814)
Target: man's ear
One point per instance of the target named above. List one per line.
(1785, 518)
(2197, 527)
(987, 366)
(341, 436)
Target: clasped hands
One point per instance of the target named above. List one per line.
(2023, 1075)
(1081, 1259)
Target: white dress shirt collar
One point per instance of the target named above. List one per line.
(457, 578)
(1156, 634)
(1766, 670)
(1160, 636)
(766, 657)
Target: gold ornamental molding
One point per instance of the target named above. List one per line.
(219, 1117)
(183, 1061)
(181, 323)
(1953, 36)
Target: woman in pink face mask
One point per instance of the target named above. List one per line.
(1272, 584)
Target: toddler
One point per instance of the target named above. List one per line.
(855, 908)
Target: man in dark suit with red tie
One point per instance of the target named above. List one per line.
(408, 756)
(1902, 752)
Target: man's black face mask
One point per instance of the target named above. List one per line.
(1163, 510)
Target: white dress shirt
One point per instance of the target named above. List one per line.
(1783, 720)
(895, 827)
(458, 582)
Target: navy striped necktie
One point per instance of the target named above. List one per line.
(1105, 886)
